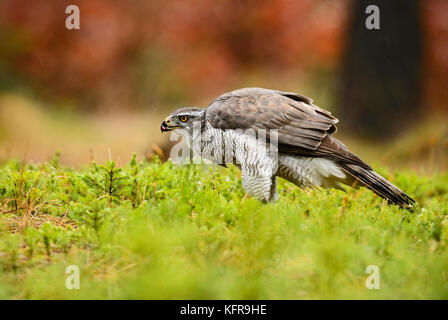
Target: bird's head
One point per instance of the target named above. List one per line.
(183, 118)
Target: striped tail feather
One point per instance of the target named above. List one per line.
(376, 183)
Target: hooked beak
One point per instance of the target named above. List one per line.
(165, 127)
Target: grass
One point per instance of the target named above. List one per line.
(159, 231)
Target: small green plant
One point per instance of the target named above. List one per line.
(107, 181)
(21, 191)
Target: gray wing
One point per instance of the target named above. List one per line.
(303, 128)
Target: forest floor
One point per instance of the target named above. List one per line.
(152, 230)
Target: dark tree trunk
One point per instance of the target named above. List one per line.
(380, 88)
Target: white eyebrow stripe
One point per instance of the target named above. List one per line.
(187, 114)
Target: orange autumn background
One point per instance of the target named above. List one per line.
(102, 91)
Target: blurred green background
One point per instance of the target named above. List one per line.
(104, 89)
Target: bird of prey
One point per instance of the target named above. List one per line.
(304, 153)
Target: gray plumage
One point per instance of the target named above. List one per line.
(306, 154)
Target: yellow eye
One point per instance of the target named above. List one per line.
(183, 118)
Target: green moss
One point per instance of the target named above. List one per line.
(152, 230)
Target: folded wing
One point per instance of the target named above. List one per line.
(303, 128)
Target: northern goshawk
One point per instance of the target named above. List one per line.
(297, 144)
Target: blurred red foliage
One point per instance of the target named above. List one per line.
(208, 45)
(67, 59)
(205, 45)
